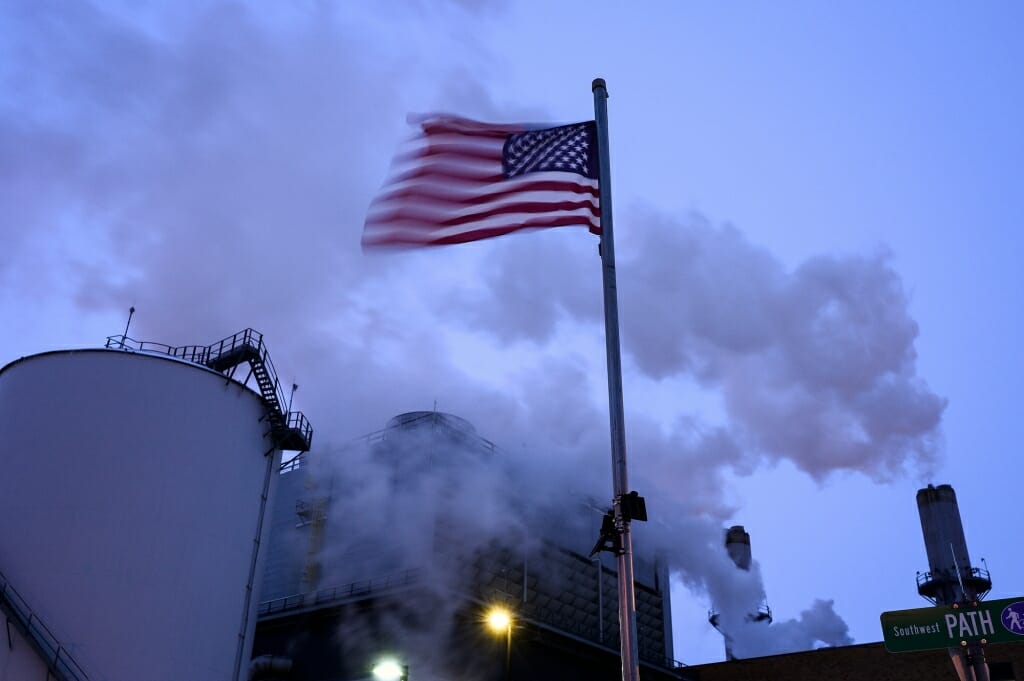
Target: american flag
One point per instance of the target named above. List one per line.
(459, 180)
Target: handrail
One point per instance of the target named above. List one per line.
(965, 572)
(207, 355)
(376, 585)
(976, 579)
(763, 612)
(292, 464)
(382, 434)
(58, 660)
(363, 587)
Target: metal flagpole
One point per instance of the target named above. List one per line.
(627, 597)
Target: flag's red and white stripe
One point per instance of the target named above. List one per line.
(447, 186)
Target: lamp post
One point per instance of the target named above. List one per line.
(390, 670)
(500, 620)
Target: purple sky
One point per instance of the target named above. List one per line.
(818, 212)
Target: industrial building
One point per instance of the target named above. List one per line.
(106, 573)
(332, 612)
(864, 662)
(331, 615)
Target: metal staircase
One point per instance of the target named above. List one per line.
(291, 430)
(59, 662)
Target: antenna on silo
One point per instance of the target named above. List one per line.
(295, 386)
(131, 311)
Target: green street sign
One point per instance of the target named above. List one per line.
(947, 626)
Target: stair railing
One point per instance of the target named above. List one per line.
(58, 660)
(257, 355)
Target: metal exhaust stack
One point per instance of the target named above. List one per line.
(737, 545)
(951, 578)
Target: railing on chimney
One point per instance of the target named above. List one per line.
(975, 580)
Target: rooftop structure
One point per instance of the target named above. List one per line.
(436, 558)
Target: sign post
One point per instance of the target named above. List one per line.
(953, 626)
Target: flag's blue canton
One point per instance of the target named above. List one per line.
(569, 148)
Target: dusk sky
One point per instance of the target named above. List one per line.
(818, 213)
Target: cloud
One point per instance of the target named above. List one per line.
(814, 364)
(817, 626)
(427, 499)
(211, 165)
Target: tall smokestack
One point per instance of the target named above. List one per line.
(951, 577)
(737, 545)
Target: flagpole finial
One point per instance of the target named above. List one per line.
(598, 83)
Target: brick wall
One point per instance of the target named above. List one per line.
(867, 662)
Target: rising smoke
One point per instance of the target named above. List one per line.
(828, 345)
(425, 504)
(212, 167)
(418, 507)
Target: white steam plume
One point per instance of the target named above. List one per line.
(211, 165)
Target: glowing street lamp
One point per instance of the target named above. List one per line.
(500, 620)
(390, 670)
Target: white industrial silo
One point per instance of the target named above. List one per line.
(133, 487)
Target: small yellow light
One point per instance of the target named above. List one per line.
(499, 619)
